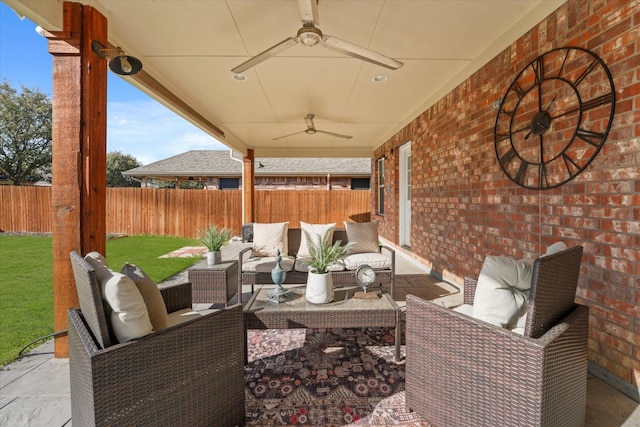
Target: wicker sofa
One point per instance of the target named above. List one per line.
(462, 371)
(187, 374)
(384, 277)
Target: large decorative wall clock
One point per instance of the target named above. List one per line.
(554, 118)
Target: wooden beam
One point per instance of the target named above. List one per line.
(147, 81)
(248, 186)
(79, 151)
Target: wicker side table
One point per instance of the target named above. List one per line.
(215, 284)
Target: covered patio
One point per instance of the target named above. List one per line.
(444, 192)
(36, 388)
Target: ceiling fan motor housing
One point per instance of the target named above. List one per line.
(309, 35)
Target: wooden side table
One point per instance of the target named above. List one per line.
(215, 284)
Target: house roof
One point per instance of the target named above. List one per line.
(200, 163)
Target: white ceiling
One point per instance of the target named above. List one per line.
(190, 46)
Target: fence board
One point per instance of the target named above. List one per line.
(177, 212)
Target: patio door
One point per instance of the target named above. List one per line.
(405, 195)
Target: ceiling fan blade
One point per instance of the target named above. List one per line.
(339, 135)
(286, 136)
(309, 11)
(263, 56)
(360, 52)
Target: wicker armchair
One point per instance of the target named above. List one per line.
(461, 371)
(187, 374)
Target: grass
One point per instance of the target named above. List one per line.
(26, 280)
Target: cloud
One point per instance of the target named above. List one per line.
(150, 132)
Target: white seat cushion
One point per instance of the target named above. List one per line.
(266, 263)
(181, 316)
(304, 268)
(464, 309)
(376, 260)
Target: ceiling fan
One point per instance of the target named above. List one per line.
(311, 129)
(310, 35)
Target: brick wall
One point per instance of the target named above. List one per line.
(464, 207)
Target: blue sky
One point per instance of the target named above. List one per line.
(136, 124)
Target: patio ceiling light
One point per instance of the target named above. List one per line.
(124, 65)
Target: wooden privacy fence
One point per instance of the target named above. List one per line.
(173, 212)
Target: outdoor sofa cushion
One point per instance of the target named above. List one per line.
(376, 260)
(269, 238)
(302, 267)
(124, 305)
(363, 236)
(264, 264)
(315, 231)
(150, 294)
(503, 290)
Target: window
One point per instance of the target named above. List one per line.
(381, 186)
(229, 183)
(360, 183)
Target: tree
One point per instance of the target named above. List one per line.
(25, 134)
(117, 163)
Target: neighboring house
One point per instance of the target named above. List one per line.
(217, 170)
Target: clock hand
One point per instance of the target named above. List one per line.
(566, 113)
(551, 103)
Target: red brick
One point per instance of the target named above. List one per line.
(466, 208)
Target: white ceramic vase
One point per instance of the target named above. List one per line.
(214, 258)
(319, 288)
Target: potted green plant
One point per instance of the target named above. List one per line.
(322, 253)
(214, 239)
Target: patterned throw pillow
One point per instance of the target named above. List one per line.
(363, 236)
(268, 238)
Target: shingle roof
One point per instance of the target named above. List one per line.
(218, 163)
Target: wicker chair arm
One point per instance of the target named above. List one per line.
(470, 285)
(176, 296)
(241, 256)
(392, 254)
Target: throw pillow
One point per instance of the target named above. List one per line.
(123, 303)
(268, 238)
(555, 248)
(130, 318)
(502, 291)
(99, 264)
(150, 294)
(314, 231)
(364, 236)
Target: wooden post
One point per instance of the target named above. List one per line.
(248, 185)
(79, 136)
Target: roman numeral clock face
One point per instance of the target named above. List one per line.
(554, 118)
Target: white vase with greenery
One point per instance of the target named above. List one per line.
(214, 239)
(322, 253)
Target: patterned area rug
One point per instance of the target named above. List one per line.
(325, 377)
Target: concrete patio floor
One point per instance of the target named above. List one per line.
(34, 390)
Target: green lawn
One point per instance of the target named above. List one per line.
(26, 280)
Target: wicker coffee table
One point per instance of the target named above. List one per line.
(343, 312)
